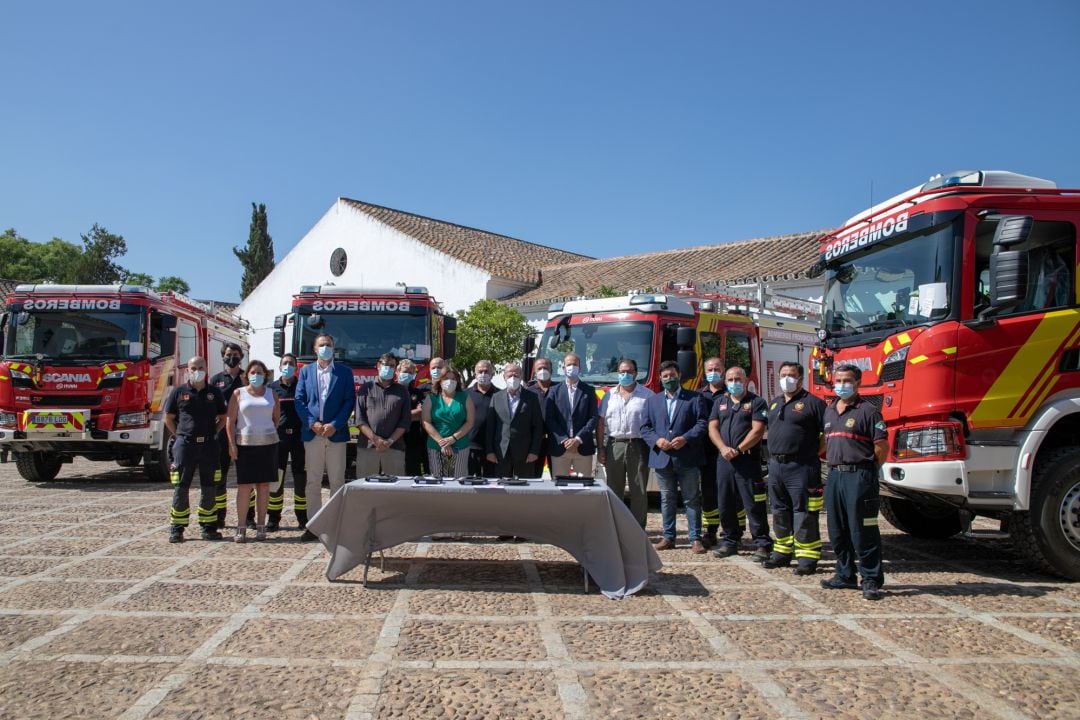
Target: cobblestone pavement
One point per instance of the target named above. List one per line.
(101, 617)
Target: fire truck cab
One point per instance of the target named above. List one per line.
(958, 300)
(86, 370)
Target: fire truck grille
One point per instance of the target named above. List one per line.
(72, 401)
(893, 371)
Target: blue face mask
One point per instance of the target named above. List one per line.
(844, 390)
(256, 380)
(713, 377)
(325, 352)
(405, 378)
(288, 371)
(735, 388)
(626, 379)
(386, 372)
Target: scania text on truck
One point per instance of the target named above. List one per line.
(86, 369)
(958, 300)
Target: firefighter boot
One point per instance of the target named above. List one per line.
(176, 534)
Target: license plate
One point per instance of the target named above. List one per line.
(67, 421)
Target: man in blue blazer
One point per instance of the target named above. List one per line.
(571, 422)
(325, 398)
(675, 429)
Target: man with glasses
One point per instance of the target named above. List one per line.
(383, 415)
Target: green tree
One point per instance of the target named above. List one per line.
(97, 265)
(607, 291)
(58, 259)
(139, 279)
(174, 284)
(257, 257)
(26, 261)
(16, 258)
(489, 331)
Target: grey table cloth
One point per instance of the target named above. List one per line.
(590, 523)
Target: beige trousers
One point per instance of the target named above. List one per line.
(320, 454)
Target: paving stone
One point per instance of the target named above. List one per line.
(282, 693)
(337, 598)
(672, 695)
(1036, 691)
(549, 553)
(886, 693)
(48, 547)
(216, 568)
(747, 601)
(427, 640)
(950, 637)
(896, 600)
(1062, 630)
(19, 567)
(159, 546)
(58, 594)
(60, 690)
(317, 639)
(135, 635)
(428, 601)
(1004, 597)
(393, 572)
(472, 574)
(490, 550)
(190, 597)
(670, 640)
(461, 694)
(275, 547)
(17, 629)
(109, 568)
(646, 602)
(796, 640)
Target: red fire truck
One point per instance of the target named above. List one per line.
(958, 300)
(365, 323)
(86, 370)
(687, 324)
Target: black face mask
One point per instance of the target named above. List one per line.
(232, 361)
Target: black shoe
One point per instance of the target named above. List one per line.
(870, 590)
(273, 525)
(760, 555)
(776, 560)
(838, 583)
(726, 551)
(309, 536)
(221, 523)
(251, 525)
(209, 532)
(176, 534)
(805, 569)
(301, 519)
(708, 539)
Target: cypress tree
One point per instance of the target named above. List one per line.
(257, 257)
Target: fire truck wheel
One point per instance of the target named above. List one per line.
(1049, 532)
(37, 466)
(922, 521)
(156, 462)
(132, 461)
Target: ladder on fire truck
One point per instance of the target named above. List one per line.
(717, 297)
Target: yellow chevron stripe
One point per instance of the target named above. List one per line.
(1015, 381)
(1046, 385)
(903, 338)
(918, 359)
(949, 351)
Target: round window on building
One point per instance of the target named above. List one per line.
(338, 262)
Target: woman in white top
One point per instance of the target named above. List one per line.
(252, 430)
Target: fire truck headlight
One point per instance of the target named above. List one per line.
(19, 375)
(943, 441)
(115, 375)
(135, 419)
(7, 421)
(897, 355)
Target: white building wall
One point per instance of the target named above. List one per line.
(378, 257)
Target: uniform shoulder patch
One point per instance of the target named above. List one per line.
(773, 406)
(209, 396)
(746, 406)
(849, 423)
(880, 425)
(800, 406)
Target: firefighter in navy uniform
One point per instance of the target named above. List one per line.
(796, 420)
(226, 382)
(855, 446)
(736, 427)
(194, 413)
(710, 510)
(290, 446)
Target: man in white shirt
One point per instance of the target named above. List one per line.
(618, 438)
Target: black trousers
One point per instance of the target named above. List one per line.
(189, 456)
(851, 510)
(290, 446)
(221, 476)
(710, 507)
(479, 466)
(741, 496)
(795, 488)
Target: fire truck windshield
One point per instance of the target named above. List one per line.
(76, 336)
(907, 280)
(360, 339)
(600, 346)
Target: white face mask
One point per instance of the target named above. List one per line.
(543, 375)
(513, 383)
(789, 383)
(196, 376)
(572, 371)
(449, 385)
(436, 372)
(483, 378)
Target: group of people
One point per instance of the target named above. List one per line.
(704, 444)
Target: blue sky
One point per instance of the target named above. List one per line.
(606, 128)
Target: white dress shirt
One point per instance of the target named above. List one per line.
(623, 416)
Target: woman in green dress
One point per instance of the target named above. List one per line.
(448, 418)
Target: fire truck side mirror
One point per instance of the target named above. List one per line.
(279, 342)
(449, 337)
(1008, 278)
(685, 337)
(279, 322)
(687, 360)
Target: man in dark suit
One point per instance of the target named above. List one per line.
(675, 428)
(571, 422)
(515, 427)
(324, 400)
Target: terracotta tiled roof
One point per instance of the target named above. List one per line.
(6, 286)
(760, 260)
(519, 261)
